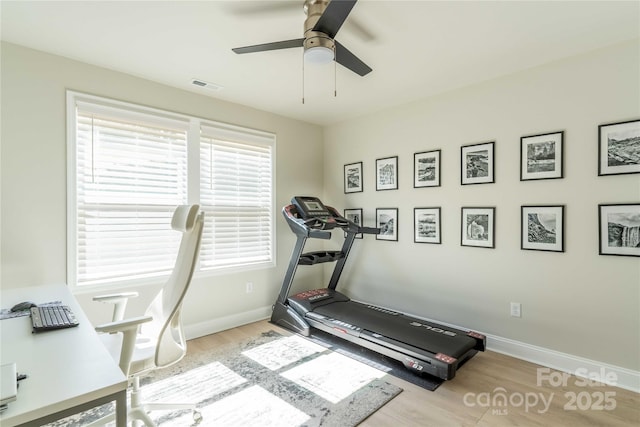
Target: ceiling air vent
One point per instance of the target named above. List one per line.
(206, 85)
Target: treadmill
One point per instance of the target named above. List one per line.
(422, 346)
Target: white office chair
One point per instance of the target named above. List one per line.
(155, 340)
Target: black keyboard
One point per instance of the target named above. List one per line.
(47, 318)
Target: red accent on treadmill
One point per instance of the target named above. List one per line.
(413, 364)
(446, 359)
(290, 210)
(307, 295)
(340, 330)
(473, 334)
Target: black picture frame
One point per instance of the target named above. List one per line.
(619, 229)
(426, 169)
(427, 227)
(387, 221)
(387, 173)
(354, 215)
(542, 228)
(542, 156)
(478, 227)
(477, 163)
(619, 148)
(353, 182)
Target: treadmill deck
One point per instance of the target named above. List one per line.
(420, 345)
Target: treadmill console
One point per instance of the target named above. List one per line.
(308, 216)
(310, 207)
(312, 214)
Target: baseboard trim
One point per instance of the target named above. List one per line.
(228, 322)
(575, 365)
(579, 366)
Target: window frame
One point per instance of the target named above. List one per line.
(194, 125)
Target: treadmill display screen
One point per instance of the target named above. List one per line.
(314, 206)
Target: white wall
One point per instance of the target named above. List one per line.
(33, 177)
(575, 302)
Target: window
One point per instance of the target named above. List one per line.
(130, 166)
(235, 192)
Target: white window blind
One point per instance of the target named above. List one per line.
(130, 166)
(131, 173)
(236, 179)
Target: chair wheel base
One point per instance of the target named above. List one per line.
(197, 418)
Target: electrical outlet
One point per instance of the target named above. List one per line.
(249, 287)
(516, 309)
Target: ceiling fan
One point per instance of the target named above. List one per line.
(324, 19)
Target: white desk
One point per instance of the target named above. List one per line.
(69, 370)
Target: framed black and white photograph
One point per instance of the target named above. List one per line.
(477, 163)
(387, 173)
(541, 156)
(619, 148)
(387, 222)
(355, 216)
(426, 169)
(353, 177)
(427, 225)
(542, 228)
(619, 229)
(478, 227)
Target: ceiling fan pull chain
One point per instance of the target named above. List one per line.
(335, 74)
(303, 79)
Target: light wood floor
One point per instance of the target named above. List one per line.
(472, 398)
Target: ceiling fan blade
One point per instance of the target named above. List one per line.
(286, 44)
(334, 16)
(347, 59)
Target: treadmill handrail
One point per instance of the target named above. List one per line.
(350, 226)
(303, 227)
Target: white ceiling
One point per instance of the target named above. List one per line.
(418, 48)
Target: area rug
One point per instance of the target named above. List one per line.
(268, 381)
(377, 360)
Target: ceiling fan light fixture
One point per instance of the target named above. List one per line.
(318, 55)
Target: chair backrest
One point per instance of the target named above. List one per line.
(166, 307)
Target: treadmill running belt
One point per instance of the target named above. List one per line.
(401, 328)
